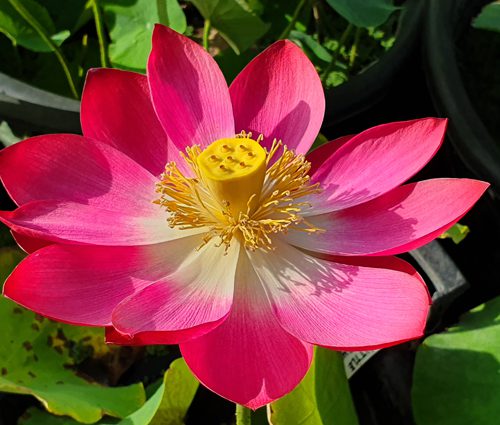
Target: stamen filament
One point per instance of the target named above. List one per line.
(192, 203)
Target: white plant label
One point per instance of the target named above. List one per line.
(354, 360)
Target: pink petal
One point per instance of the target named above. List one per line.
(160, 337)
(388, 262)
(322, 154)
(376, 161)
(279, 95)
(346, 307)
(29, 244)
(70, 221)
(401, 220)
(189, 92)
(83, 284)
(68, 167)
(199, 291)
(379, 262)
(249, 359)
(116, 109)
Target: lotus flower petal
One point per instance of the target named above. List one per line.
(322, 154)
(345, 306)
(376, 161)
(29, 244)
(199, 291)
(83, 284)
(249, 359)
(68, 167)
(79, 223)
(401, 220)
(189, 92)
(117, 110)
(273, 98)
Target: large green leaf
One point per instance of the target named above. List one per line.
(20, 32)
(170, 402)
(322, 398)
(234, 21)
(456, 378)
(167, 406)
(131, 25)
(489, 18)
(34, 416)
(364, 13)
(35, 359)
(172, 15)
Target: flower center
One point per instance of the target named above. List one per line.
(234, 170)
(236, 191)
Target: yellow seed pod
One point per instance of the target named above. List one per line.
(234, 169)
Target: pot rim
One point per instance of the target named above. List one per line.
(446, 21)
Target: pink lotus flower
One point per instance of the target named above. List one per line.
(233, 252)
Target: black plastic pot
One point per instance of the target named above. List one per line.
(33, 110)
(446, 21)
(381, 388)
(367, 90)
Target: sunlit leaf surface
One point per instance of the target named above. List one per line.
(322, 398)
(14, 26)
(130, 27)
(457, 373)
(167, 406)
(35, 359)
(233, 19)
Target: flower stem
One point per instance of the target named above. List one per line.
(96, 11)
(206, 32)
(291, 24)
(335, 55)
(28, 17)
(243, 415)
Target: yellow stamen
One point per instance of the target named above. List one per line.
(243, 200)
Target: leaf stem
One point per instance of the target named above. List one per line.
(353, 54)
(335, 55)
(96, 11)
(243, 415)
(206, 32)
(291, 24)
(82, 54)
(16, 4)
(317, 20)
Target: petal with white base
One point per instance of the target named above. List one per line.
(249, 359)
